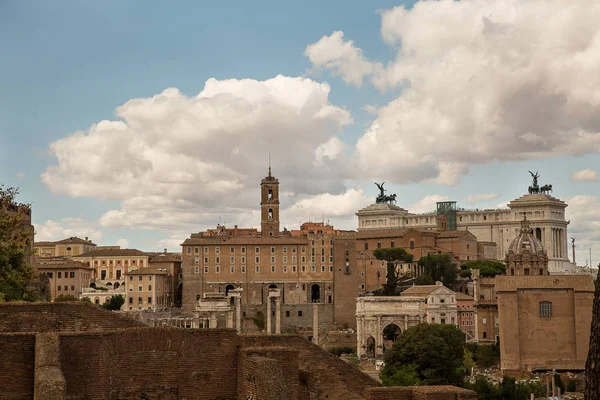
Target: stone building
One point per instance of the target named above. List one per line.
(299, 265)
(544, 321)
(486, 305)
(500, 226)
(171, 262)
(110, 263)
(381, 319)
(69, 247)
(467, 314)
(148, 289)
(526, 254)
(66, 277)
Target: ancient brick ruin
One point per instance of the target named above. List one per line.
(79, 351)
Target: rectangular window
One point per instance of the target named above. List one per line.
(392, 245)
(60, 275)
(232, 250)
(366, 245)
(139, 299)
(196, 260)
(243, 250)
(303, 258)
(71, 274)
(140, 288)
(303, 269)
(243, 260)
(232, 270)
(206, 269)
(218, 260)
(545, 309)
(331, 268)
(303, 249)
(217, 250)
(205, 260)
(130, 278)
(293, 249)
(196, 250)
(299, 313)
(131, 298)
(322, 268)
(272, 268)
(189, 250)
(217, 269)
(231, 260)
(257, 259)
(483, 320)
(287, 313)
(243, 269)
(49, 275)
(284, 259)
(196, 269)
(258, 268)
(206, 250)
(257, 250)
(294, 259)
(272, 250)
(150, 278)
(285, 249)
(140, 278)
(149, 288)
(149, 300)
(293, 268)
(272, 259)
(313, 268)
(285, 268)
(59, 288)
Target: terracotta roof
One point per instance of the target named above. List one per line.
(462, 296)
(112, 253)
(76, 240)
(579, 283)
(43, 244)
(392, 233)
(148, 271)
(419, 290)
(255, 240)
(60, 262)
(454, 234)
(168, 257)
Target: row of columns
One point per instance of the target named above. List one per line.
(558, 242)
(274, 294)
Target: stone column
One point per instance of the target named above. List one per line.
(238, 314)
(405, 322)
(213, 320)
(230, 319)
(278, 315)
(359, 335)
(268, 315)
(379, 338)
(315, 323)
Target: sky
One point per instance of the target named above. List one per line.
(137, 123)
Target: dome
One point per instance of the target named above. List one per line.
(526, 241)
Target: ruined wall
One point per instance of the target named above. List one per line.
(16, 365)
(293, 317)
(421, 393)
(59, 317)
(165, 363)
(268, 373)
(322, 375)
(345, 281)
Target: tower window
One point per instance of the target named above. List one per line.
(270, 194)
(270, 213)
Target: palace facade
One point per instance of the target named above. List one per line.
(545, 213)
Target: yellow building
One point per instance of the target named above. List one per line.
(148, 288)
(67, 277)
(110, 263)
(69, 247)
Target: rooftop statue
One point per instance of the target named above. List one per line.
(383, 198)
(535, 188)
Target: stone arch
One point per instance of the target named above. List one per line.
(116, 285)
(391, 332)
(107, 300)
(97, 300)
(228, 288)
(108, 284)
(315, 293)
(272, 286)
(370, 347)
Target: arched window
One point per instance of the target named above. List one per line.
(197, 297)
(412, 244)
(228, 288)
(545, 309)
(270, 213)
(538, 233)
(270, 195)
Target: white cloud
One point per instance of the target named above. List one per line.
(477, 198)
(67, 227)
(179, 162)
(369, 108)
(473, 90)
(123, 243)
(584, 213)
(341, 56)
(426, 204)
(340, 207)
(585, 175)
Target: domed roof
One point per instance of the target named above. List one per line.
(526, 241)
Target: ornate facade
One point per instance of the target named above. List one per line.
(545, 213)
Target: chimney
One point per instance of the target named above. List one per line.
(165, 251)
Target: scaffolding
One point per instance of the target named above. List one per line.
(448, 210)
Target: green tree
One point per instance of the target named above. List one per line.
(115, 303)
(440, 268)
(406, 375)
(434, 352)
(393, 256)
(15, 238)
(65, 297)
(486, 268)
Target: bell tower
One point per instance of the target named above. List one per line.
(269, 205)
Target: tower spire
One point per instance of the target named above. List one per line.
(269, 165)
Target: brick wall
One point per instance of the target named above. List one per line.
(420, 393)
(59, 317)
(268, 373)
(165, 363)
(16, 366)
(322, 375)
